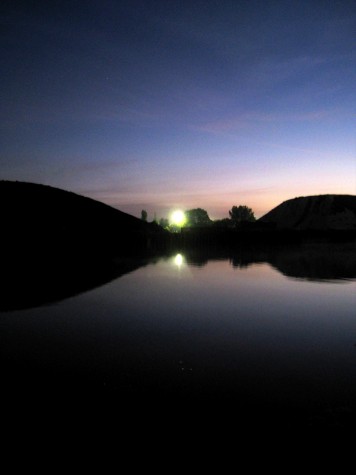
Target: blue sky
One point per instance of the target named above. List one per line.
(166, 104)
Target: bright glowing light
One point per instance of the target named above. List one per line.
(178, 260)
(178, 218)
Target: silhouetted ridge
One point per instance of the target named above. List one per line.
(323, 212)
(38, 217)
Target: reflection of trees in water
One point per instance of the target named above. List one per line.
(31, 284)
(331, 262)
(243, 261)
(197, 258)
(314, 261)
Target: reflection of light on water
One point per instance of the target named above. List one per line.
(178, 260)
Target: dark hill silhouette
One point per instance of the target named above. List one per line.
(39, 218)
(323, 212)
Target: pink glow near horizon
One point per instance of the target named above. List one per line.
(205, 105)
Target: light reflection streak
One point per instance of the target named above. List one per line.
(178, 260)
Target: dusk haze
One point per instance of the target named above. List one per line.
(164, 105)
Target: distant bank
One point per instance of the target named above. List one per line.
(43, 222)
(323, 218)
(323, 212)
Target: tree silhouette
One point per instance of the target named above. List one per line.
(241, 213)
(222, 223)
(164, 222)
(197, 217)
(144, 215)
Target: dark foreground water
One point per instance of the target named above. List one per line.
(255, 338)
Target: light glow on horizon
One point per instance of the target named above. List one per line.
(178, 218)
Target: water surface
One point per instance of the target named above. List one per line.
(249, 337)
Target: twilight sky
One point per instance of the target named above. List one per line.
(180, 104)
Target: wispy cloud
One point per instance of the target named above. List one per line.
(249, 120)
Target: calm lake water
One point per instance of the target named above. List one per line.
(253, 335)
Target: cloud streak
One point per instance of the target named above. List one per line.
(251, 119)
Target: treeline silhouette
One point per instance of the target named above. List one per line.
(39, 222)
(318, 218)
